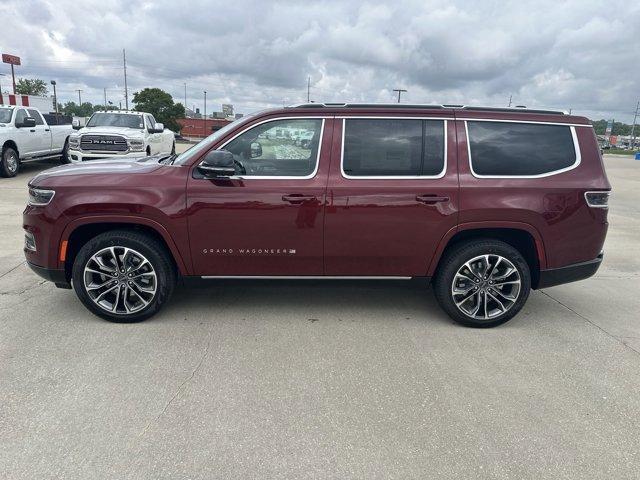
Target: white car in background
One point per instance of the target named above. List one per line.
(120, 135)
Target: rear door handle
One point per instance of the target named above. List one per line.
(431, 199)
(297, 199)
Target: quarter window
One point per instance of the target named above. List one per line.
(287, 148)
(393, 147)
(519, 149)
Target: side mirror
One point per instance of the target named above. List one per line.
(256, 150)
(75, 124)
(217, 163)
(28, 122)
(159, 128)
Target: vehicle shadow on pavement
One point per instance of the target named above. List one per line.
(311, 300)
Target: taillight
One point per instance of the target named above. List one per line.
(597, 199)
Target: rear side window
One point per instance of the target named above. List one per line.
(36, 116)
(520, 149)
(393, 147)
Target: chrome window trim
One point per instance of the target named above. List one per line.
(564, 124)
(576, 147)
(282, 177)
(393, 177)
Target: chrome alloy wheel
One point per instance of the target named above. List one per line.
(12, 161)
(486, 287)
(120, 280)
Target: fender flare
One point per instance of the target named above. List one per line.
(537, 238)
(131, 219)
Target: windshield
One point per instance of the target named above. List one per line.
(5, 115)
(127, 120)
(204, 144)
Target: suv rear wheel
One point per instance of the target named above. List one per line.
(483, 283)
(123, 276)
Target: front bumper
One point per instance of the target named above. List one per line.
(570, 273)
(58, 277)
(79, 156)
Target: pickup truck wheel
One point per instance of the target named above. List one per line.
(482, 283)
(10, 163)
(123, 276)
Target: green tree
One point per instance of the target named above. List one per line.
(619, 128)
(160, 104)
(75, 110)
(31, 86)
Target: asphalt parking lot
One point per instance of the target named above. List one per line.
(323, 380)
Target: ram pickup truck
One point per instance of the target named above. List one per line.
(25, 135)
(484, 203)
(120, 135)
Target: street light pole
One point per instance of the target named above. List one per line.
(633, 128)
(205, 113)
(55, 97)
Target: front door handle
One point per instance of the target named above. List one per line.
(297, 199)
(431, 199)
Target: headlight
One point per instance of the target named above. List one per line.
(136, 144)
(39, 197)
(74, 141)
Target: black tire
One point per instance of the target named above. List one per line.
(148, 151)
(149, 247)
(455, 258)
(64, 158)
(9, 163)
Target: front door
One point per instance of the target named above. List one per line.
(42, 134)
(392, 195)
(267, 219)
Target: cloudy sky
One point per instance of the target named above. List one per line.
(581, 55)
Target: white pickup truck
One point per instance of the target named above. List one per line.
(118, 135)
(25, 135)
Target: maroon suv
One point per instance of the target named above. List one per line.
(486, 203)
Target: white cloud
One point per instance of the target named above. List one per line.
(575, 54)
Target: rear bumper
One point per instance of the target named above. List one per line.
(570, 273)
(56, 276)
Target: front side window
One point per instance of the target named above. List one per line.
(393, 147)
(20, 116)
(519, 149)
(278, 148)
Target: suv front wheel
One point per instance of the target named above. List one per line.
(123, 276)
(483, 283)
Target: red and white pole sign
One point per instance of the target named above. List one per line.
(11, 60)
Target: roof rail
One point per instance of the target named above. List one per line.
(517, 109)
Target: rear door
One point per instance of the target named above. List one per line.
(267, 220)
(392, 194)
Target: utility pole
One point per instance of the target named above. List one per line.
(185, 96)
(1, 98)
(308, 89)
(126, 90)
(79, 97)
(205, 113)
(55, 98)
(105, 99)
(633, 128)
(510, 97)
(400, 91)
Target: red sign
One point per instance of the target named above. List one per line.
(12, 59)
